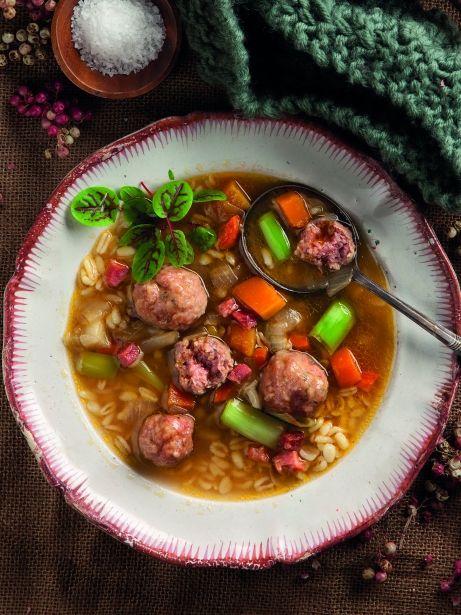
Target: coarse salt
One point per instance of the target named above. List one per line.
(117, 37)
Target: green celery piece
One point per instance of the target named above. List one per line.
(334, 325)
(97, 365)
(252, 423)
(144, 372)
(275, 236)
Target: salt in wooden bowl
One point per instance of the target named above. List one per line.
(116, 86)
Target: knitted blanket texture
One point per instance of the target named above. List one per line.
(384, 70)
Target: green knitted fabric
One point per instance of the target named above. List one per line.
(383, 70)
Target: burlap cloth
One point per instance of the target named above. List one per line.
(52, 561)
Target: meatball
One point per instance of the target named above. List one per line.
(293, 383)
(202, 363)
(326, 244)
(166, 439)
(173, 300)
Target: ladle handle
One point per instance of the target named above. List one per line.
(443, 334)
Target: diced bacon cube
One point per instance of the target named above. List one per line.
(240, 373)
(115, 273)
(244, 319)
(226, 307)
(288, 461)
(130, 355)
(259, 454)
(291, 440)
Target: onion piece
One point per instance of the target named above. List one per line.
(267, 258)
(250, 393)
(279, 326)
(287, 319)
(94, 309)
(159, 340)
(277, 342)
(222, 276)
(94, 336)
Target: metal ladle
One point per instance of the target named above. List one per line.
(333, 282)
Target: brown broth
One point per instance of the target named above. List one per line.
(223, 471)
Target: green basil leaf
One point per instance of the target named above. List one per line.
(148, 260)
(135, 203)
(136, 235)
(178, 250)
(203, 196)
(173, 200)
(95, 206)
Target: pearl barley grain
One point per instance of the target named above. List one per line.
(117, 37)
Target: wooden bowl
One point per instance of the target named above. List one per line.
(117, 86)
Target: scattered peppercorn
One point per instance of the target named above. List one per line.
(380, 577)
(368, 574)
(390, 548)
(57, 114)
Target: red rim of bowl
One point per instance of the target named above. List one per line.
(256, 560)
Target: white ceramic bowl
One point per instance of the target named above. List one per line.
(256, 533)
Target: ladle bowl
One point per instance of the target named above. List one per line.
(333, 282)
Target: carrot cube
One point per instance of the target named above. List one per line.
(259, 296)
(293, 208)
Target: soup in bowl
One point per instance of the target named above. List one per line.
(198, 373)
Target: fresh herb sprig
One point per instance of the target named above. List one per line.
(151, 218)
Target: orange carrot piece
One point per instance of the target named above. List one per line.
(242, 340)
(299, 341)
(345, 368)
(260, 355)
(176, 397)
(228, 233)
(259, 296)
(236, 194)
(293, 208)
(367, 381)
(225, 392)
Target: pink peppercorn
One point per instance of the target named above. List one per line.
(34, 111)
(62, 151)
(366, 535)
(438, 469)
(445, 586)
(53, 131)
(428, 560)
(41, 97)
(457, 568)
(15, 100)
(76, 115)
(62, 119)
(23, 91)
(58, 106)
(57, 86)
(381, 577)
